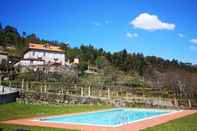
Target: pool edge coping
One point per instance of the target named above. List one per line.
(171, 111)
(134, 126)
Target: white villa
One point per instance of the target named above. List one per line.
(42, 54)
(3, 55)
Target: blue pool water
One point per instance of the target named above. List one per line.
(112, 118)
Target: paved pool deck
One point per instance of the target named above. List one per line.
(135, 126)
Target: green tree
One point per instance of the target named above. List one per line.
(101, 62)
(11, 36)
(71, 53)
(1, 28)
(32, 38)
(1, 36)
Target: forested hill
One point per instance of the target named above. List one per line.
(16, 43)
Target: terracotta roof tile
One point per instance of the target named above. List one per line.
(46, 47)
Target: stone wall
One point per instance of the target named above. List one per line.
(59, 98)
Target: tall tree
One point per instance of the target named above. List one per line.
(32, 39)
(1, 28)
(1, 36)
(11, 36)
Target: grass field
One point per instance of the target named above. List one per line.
(188, 123)
(7, 127)
(16, 110)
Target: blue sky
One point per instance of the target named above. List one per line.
(165, 28)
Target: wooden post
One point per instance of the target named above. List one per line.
(127, 95)
(81, 91)
(89, 92)
(22, 84)
(108, 93)
(189, 103)
(27, 86)
(62, 91)
(75, 88)
(175, 102)
(45, 88)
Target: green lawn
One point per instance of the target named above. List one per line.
(188, 123)
(16, 110)
(7, 127)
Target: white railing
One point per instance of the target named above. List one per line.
(7, 90)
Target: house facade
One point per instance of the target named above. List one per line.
(42, 54)
(3, 55)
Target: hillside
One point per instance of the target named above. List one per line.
(123, 68)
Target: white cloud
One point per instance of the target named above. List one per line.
(193, 48)
(131, 35)
(180, 35)
(151, 22)
(96, 23)
(108, 22)
(193, 41)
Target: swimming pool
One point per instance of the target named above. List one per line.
(109, 118)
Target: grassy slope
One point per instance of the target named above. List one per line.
(14, 127)
(15, 111)
(188, 123)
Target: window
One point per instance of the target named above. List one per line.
(44, 54)
(33, 53)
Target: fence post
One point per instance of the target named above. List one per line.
(45, 88)
(89, 91)
(189, 103)
(62, 91)
(175, 102)
(22, 84)
(127, 95)
(75, 89)
(27, 86)
(81, 91)
(108, 93)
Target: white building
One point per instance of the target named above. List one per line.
(3, 55)
(76, 60)
(42, 54)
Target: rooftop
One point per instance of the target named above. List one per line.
(45, 47)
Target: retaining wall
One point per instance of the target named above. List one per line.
(58, 98)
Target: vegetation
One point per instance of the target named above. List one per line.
(8, 127)
(187, 123)
(30, 110)
(119, 67)
(17, 111)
